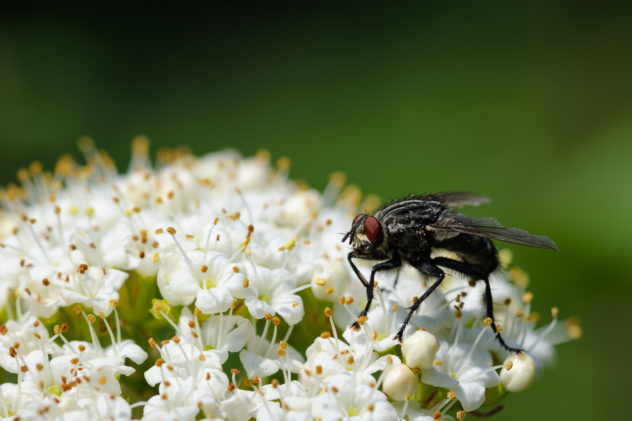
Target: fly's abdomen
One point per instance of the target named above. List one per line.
(473, 249)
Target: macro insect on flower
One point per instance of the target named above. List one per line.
(410, 229)
(216, 287)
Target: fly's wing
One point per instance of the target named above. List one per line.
(458, 199)
(491, 228)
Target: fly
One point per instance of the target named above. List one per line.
(409, 229)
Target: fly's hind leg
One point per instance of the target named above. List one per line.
(472, 271)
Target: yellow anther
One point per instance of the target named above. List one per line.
(338, 179)
(520, 277)
(283, 163)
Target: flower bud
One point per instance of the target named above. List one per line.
(399, 382)
(420, 349)
(518, 372)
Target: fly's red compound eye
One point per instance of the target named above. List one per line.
(372, 229)
(357, 217)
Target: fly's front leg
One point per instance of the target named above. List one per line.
(350, 256)
(391, 264)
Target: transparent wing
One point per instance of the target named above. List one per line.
(491, 228)
(457, 199)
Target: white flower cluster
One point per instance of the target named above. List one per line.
(238, 267)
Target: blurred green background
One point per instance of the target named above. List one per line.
(530, 104)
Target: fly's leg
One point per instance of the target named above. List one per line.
(350, 256)
(429, 269)
(472, 271)
(391, 264)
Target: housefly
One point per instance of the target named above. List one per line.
(408, 230)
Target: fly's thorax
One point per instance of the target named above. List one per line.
(411, 245)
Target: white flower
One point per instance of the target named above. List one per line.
(225, 334)
(345, 399)
(262, 358)
(29, 333)
(464, 369)
(274, 293)
(329, 358)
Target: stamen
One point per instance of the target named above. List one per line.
(172, 232)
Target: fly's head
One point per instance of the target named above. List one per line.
(367, 237)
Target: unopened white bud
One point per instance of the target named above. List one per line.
(399, 382)
(518, 372)
(420, 349)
